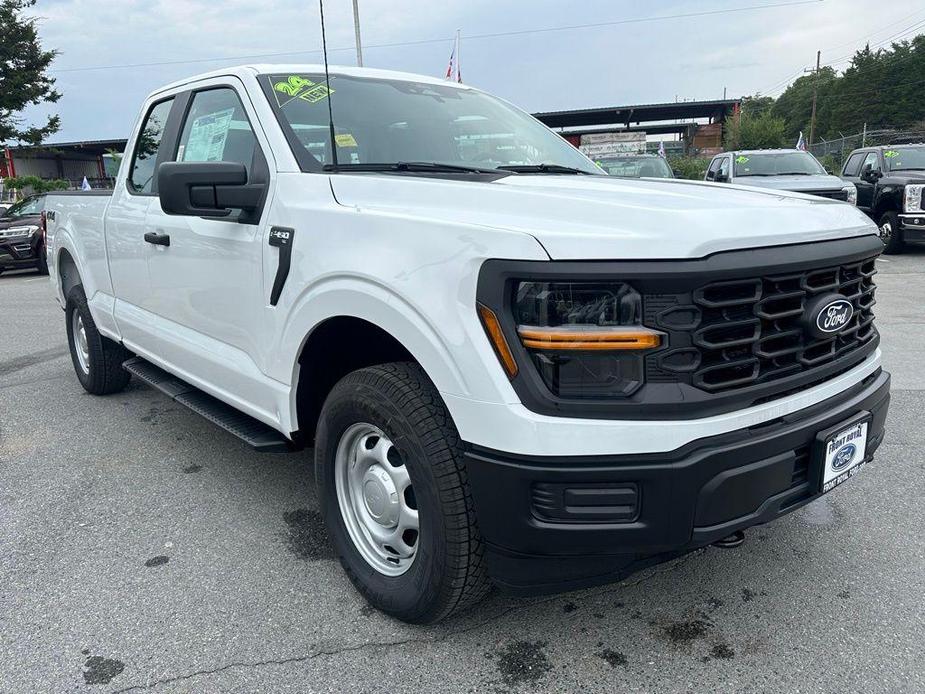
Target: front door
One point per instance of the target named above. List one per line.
(867, 184)
(207, 285)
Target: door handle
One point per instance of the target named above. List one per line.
(157, 239)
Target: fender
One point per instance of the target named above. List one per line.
(888, 195)
(360, 297)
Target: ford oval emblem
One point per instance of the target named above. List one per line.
(844, 456)
(834, 316)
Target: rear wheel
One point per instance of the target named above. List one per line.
(890, 233)
(97, 359)
(395, 497)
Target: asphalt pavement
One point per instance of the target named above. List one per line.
(142, 548)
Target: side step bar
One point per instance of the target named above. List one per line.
(258, 435)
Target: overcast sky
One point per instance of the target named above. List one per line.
(745, 51)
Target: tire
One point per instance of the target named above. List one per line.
(890, 234)
(42, 263)
(98, 363)
(401, 420)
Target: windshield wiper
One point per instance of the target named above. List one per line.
(409, 166)
(544, 168)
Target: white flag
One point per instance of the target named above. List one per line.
(85, 185)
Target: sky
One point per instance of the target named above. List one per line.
(617, 52)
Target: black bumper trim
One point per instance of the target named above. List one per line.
(689, 497)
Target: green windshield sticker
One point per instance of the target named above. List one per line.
(891, 153)
(296, 87)
(741, 159)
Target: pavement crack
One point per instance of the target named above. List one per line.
(422, 640)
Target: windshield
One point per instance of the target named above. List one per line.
(905, 158)
(636, 167)
(777, 164)
(381, 121)
(27, 207)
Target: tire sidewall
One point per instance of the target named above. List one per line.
(895, 244)
(77, 302)
(410, 595)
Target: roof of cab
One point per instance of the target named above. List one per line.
(302, 68)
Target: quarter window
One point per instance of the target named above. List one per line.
(217, 129)
(144, 159)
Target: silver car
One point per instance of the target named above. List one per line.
(780, 169)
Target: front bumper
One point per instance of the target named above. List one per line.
(543, 532)
(19, 252)
(912, 226)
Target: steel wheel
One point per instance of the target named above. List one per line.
(376, 499)
(82, 348)
(886, 232)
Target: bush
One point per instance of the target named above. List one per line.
(693, 168)
(761, 131)
(38, 185)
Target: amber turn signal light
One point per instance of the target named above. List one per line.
(496, 337)
(589, 338)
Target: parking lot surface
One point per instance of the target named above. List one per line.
(142, 548)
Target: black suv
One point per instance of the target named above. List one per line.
(22, 236)
(891, 189)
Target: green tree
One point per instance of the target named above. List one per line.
(24, 80)
(755, 127)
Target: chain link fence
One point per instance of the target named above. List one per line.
(833, 153)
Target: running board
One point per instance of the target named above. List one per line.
(255, 433)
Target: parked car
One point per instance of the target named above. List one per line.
(511, 367)
(780, 169)
(636, 166)
(891, 189)
(22, 236)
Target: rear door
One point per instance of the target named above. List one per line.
(125, 226)
(207, 285)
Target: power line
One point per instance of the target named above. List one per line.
(473, 37)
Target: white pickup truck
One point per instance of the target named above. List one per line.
(512, 369)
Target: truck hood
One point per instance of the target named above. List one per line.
(794, 183)
(600, 217)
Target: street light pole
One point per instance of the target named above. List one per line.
(356, 29)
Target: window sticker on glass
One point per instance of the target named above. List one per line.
(891, 153)
(207, 137)
(345, 140)
(741, 159)
(297, 87)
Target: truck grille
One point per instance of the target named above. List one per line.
(744, 332)
(831, 194)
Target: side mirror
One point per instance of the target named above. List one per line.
(711, 175)
(721, 178)
(868, 173)
(206, 189)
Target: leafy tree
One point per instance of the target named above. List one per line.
(755, 127)
(23, 77)
(694, 168)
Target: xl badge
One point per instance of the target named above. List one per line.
(828, 315)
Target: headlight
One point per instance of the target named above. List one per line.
(852, 192)
(14, 232)
(913, 198)
(586, 339)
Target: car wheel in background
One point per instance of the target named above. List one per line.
(890, 233)
(393, 491)
(42, 263)
(97, 359)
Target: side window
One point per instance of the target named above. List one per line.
(853, 165)
(217, 129)
(144, 158)
(724, 167)
(714, 167)
(873, 160)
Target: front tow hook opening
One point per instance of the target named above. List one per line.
(731, 541)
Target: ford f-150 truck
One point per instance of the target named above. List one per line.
(512, 369)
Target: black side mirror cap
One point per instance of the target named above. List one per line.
(206, 189)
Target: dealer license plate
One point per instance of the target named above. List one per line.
(844, 453)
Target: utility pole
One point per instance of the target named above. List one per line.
(356, 30)
(812, 120)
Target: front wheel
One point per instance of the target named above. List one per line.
(395, 497)
(97, 359)
(890, 234)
